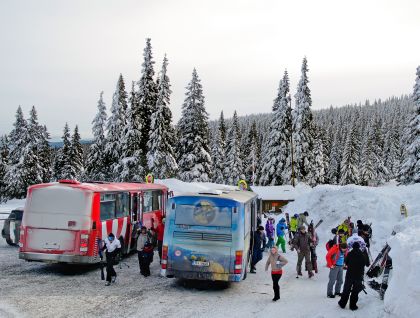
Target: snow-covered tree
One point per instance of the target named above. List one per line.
(161, 155)
(22, 159)
(4, 163)
(410, 167)
(317, 173)
(276, 165)
(130, 166)
(95, 164)
(392, 150)
(74, 167)
(334, 168)
(349, 170)
(252, 155)
(302, 124)
(115, 128)
(193, 148)
(62, 156)
(45, 155)
(367, 168)
(234, 170)
(218, 152)
(146, 97)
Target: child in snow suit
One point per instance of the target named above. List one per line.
(276, 261)
(293, 224)
(269, 230)
(355, 261)
(112, 248)
(301, 242)
(144, 250)
(281, 228)
(335, 262)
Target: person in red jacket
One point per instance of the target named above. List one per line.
(159, 230)
(335, 262)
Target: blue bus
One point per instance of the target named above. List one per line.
(208, 235)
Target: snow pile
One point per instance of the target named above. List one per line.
(180, 187)
(403, 294)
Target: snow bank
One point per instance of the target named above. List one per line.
(403, 295)
(179, 187)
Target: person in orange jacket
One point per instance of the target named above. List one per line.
(335, 262)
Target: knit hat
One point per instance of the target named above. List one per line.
(356, 245)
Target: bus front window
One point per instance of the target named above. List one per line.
(203, 214)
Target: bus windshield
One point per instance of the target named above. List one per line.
(203, 214)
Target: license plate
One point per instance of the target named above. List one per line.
(199, 263)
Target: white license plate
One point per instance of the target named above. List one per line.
(199, 263)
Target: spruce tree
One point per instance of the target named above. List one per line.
(252, 155)
(302, 124)
(161, 155)
(349, 170)
(115, 128)
(410, 167)
(95, 164)
(130, 166)
(218, 152)
(62, 156)
(4, 160)
(74, 166)
(367, 169)
(146, 97)
(193, 147)
(234, 165)
(317, 173)
(45, 155)
(334, 168)
(276, 164)
(19, 173)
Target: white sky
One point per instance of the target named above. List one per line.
(58, 55)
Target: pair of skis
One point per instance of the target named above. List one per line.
(381, 264)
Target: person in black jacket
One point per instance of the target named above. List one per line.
(356, 260)
(258, 243)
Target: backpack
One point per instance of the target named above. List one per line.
(330, 244)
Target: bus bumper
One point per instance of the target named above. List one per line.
(203, 276)
(58, 258)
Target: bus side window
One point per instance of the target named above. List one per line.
(134, 206)
(122, 205)
(147, 201)
(107, 209)
(157, 200)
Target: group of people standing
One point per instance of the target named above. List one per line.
(347, 250)
(146, 240)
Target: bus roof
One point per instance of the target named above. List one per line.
(236, 195)
(103, 187)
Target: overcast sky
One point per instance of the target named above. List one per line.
(59, 55)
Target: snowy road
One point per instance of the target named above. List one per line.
(39, 290)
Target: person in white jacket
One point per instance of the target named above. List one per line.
(356, 238)
(112, 247)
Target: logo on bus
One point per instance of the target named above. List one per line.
(204, 213)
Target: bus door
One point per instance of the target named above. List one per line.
(135, 217)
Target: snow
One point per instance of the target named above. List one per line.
(35, 289)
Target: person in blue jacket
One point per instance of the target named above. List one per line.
(281, 232)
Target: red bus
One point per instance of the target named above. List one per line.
(65, 221)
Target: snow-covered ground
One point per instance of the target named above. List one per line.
(40, 290)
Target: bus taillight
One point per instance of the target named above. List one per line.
(164, 256)
(84, 241)
(238, 262)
